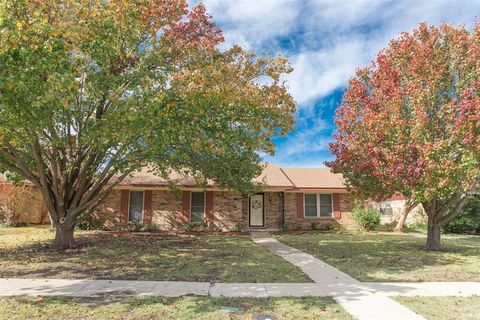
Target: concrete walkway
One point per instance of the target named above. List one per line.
(359, 300)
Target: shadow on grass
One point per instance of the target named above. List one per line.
(189, 307)
(381, 256)
(149, 256)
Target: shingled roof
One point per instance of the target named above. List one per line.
(273, 176)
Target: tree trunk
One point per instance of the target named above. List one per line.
(403, 217)
(64, 237)
(433, 234)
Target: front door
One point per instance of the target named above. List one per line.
(256, 210)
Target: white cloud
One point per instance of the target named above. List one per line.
(252, 23)
(317, 73)
(328, 40)
(332, 38)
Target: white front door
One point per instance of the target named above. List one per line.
(256, 210)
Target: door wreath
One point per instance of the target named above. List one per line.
(256, 204)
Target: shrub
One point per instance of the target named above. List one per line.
(195, 226)
(296, 226)
(190, 226)
(13, 203)
(202, 226)
(366, 218)
(14, 225)
(316, 225)
(283, 227)
(417, 226)
(90, 223)
(327, 226)
(239, 227)
(138, 227)
(468, 221)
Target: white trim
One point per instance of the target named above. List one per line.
(143, 205)
(204, 205)
(318, 205)
(263, 226)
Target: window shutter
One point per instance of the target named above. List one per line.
(186, 207)
(147, 207)
(209, 207)
(124, 206)
(337, 214)
(300, 205)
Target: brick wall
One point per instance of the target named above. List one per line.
(272, 209)
(167, 209)
(293, 222)
(227, 210)
(109, 210)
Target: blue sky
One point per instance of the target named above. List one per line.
(325, 41)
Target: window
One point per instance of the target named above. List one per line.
(386, 209)
(318, 205)
(135, 206)
(310, 205)
(197, 207)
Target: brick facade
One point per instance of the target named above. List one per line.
(230, 210)
(294, 221)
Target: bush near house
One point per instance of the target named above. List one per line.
(468, 221)
(366, 218)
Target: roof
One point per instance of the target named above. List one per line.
(147, 177)
(273, 176)
(314, 178)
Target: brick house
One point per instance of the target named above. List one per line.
(295, 197)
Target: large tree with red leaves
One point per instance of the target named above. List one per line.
(410, 123)
(91, 90)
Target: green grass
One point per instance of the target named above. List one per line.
(444, 308)
(168, 308)
(25, 253)
(386, 256)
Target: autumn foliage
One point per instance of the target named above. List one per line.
(410, 123)
(92, 90)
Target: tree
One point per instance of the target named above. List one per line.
(409, 123)
(91, 90)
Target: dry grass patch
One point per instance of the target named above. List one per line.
(25, 252)
(387, 256)
(201, 308)
(444, 308)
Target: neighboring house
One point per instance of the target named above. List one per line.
(392, 208)
(37, 213)
(294, 197)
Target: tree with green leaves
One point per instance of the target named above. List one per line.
(410, 123)
(92, 90)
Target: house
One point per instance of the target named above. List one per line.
(392, 208)
(296, 197)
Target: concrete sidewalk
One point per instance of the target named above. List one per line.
(94, 288)
(359, 300)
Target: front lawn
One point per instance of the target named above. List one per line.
(169, 308)
(25, 253)
(386, 256)
(444, 308)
